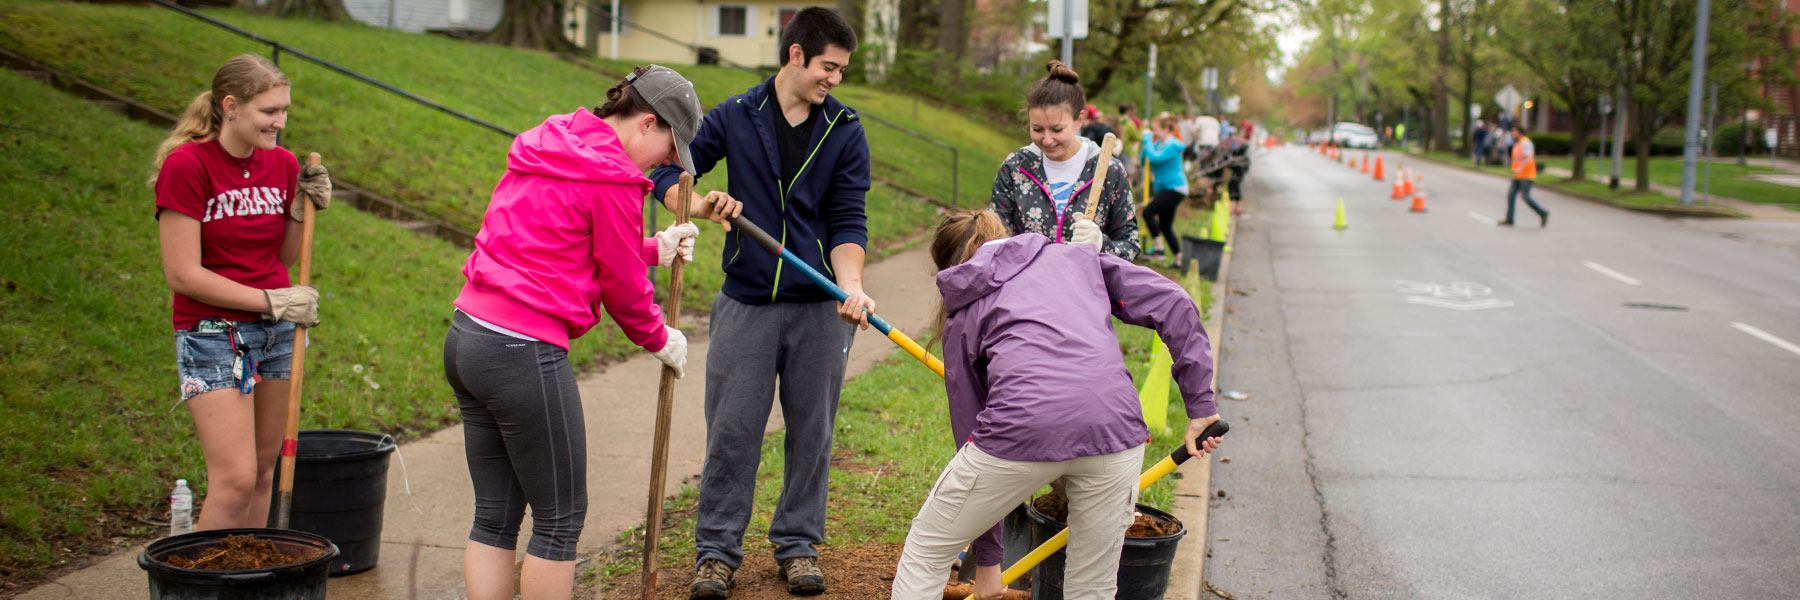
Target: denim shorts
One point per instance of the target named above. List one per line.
(208, 359)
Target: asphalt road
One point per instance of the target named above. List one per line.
(1442, 408)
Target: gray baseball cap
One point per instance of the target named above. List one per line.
(672, 97)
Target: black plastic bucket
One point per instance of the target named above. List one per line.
(305, 580)
(1144, 563)
(340, 488)
(1203, 254)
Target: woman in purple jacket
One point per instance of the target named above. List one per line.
(1039, 392)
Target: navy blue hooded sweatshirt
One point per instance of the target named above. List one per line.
(821, 209)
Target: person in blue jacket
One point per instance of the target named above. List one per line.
(798, 167)
(1162, 152)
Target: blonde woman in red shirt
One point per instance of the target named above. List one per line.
(228, 214)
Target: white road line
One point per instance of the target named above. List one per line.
(1482, 218)
(1767, 337)
(1623, 278)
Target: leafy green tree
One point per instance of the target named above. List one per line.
(1570, 47)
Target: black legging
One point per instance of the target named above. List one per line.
(1160, 217)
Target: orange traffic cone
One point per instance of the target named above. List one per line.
(1397, 194)
(1407, 189)
(1418, 199)
(1378, 176)
(1365, 163)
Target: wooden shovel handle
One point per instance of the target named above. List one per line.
(665, 407)
(1106, 155)
(290, 439)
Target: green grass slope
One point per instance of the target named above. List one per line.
(89, 423)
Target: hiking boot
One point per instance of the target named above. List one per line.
(1543, 220)
(712, 581)
(803, 576)
(1506, 223)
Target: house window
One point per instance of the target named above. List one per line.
(604, 18)
(733, 20)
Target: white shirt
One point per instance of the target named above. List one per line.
(1062, 175)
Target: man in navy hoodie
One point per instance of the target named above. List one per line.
(798, 166)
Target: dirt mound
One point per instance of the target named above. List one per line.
(864, 571)
(239, 552)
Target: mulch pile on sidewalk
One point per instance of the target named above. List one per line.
(865, 571)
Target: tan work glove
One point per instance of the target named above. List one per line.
(674, 351)
(298, 304)
(315, 186)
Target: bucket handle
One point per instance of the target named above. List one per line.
(243, 578)
(405, 477)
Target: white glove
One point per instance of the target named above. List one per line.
(677, 239)
(1086, 231)
(674, 352)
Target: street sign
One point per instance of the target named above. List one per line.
(1474, 111)
(1231, 105)
(1770, 138)
(1209, 78)
(1056, 19)
(1508, 99)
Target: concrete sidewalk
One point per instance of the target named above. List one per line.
(620, 403)
(1761, 212)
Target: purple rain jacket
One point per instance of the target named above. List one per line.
(1031, 365)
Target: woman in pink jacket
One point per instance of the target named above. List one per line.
(560, 242)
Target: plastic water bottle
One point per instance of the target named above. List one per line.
(181, 509)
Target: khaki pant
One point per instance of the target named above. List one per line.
(977, 490)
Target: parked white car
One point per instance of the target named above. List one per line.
(1354, 135)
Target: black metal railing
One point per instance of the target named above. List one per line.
(277, 49)
(724, 62)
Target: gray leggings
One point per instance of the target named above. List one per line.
(524, 435)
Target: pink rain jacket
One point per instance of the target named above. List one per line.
(563, 239)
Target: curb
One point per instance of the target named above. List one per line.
(1700, 211)
(1193, 492)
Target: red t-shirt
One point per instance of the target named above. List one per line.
(243, 220)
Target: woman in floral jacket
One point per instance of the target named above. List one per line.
(1043, 187)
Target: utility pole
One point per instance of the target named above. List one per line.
(1690, 148)
(615, 29)
(1068, 31)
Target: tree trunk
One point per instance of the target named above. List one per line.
(1578, 142)
(953, 35)
(531, 24)
(324, 10)
(1646, 128)
(1440, 86)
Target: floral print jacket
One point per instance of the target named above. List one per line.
(1022, 200)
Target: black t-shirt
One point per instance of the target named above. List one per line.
(792, 142)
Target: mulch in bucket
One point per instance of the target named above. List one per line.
(1142, 525)
(239, 552)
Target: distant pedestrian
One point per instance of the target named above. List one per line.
(1162, 152)
(1524, 169)
(1479, 139)
(1095, 129)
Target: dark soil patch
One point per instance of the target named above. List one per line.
(1146, 526)
(860, 571)
(1142, 525)
(239, 552)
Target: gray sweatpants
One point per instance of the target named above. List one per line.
(806, 347)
